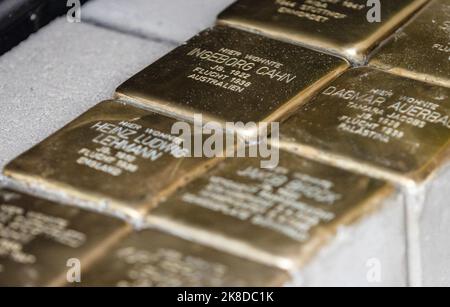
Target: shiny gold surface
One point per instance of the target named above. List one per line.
(38, 237)
(421, 50)
(376, 123)
(229, 75)
(149, 258)
(336, 26)
(279, 217)
(117, 157)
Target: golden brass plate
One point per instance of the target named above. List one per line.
(336, 26)
(422, 49)
(279, 217)
(39, 237)
(152, 259)
(119, 158)
(229, 75)
(375, 123)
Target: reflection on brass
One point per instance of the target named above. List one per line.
(337, 26)
(376, 123)
(422, 50)
(39, 237)
(229, 75)
(115, 157)
(152, 259)
(279, 217)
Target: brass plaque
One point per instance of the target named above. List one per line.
(229, 75)
(116, 158)
(422, 49)
(376, 123)
(39, 237)
(279, 217)
(152, 259)
(336, 26)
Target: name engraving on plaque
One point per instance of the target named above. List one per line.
(444, 47)
(119, 146)
(166, 267)
(382, 113)
(318, 10)
(43, 243)
(275, 202)
(234, 69)
(150, 258)
(19, 228)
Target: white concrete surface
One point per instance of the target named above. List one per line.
(167, 20)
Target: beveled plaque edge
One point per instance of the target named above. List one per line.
(65, 193)
(97, 202)
(412, 180)
(376, 63)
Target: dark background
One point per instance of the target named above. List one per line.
(20, 18)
